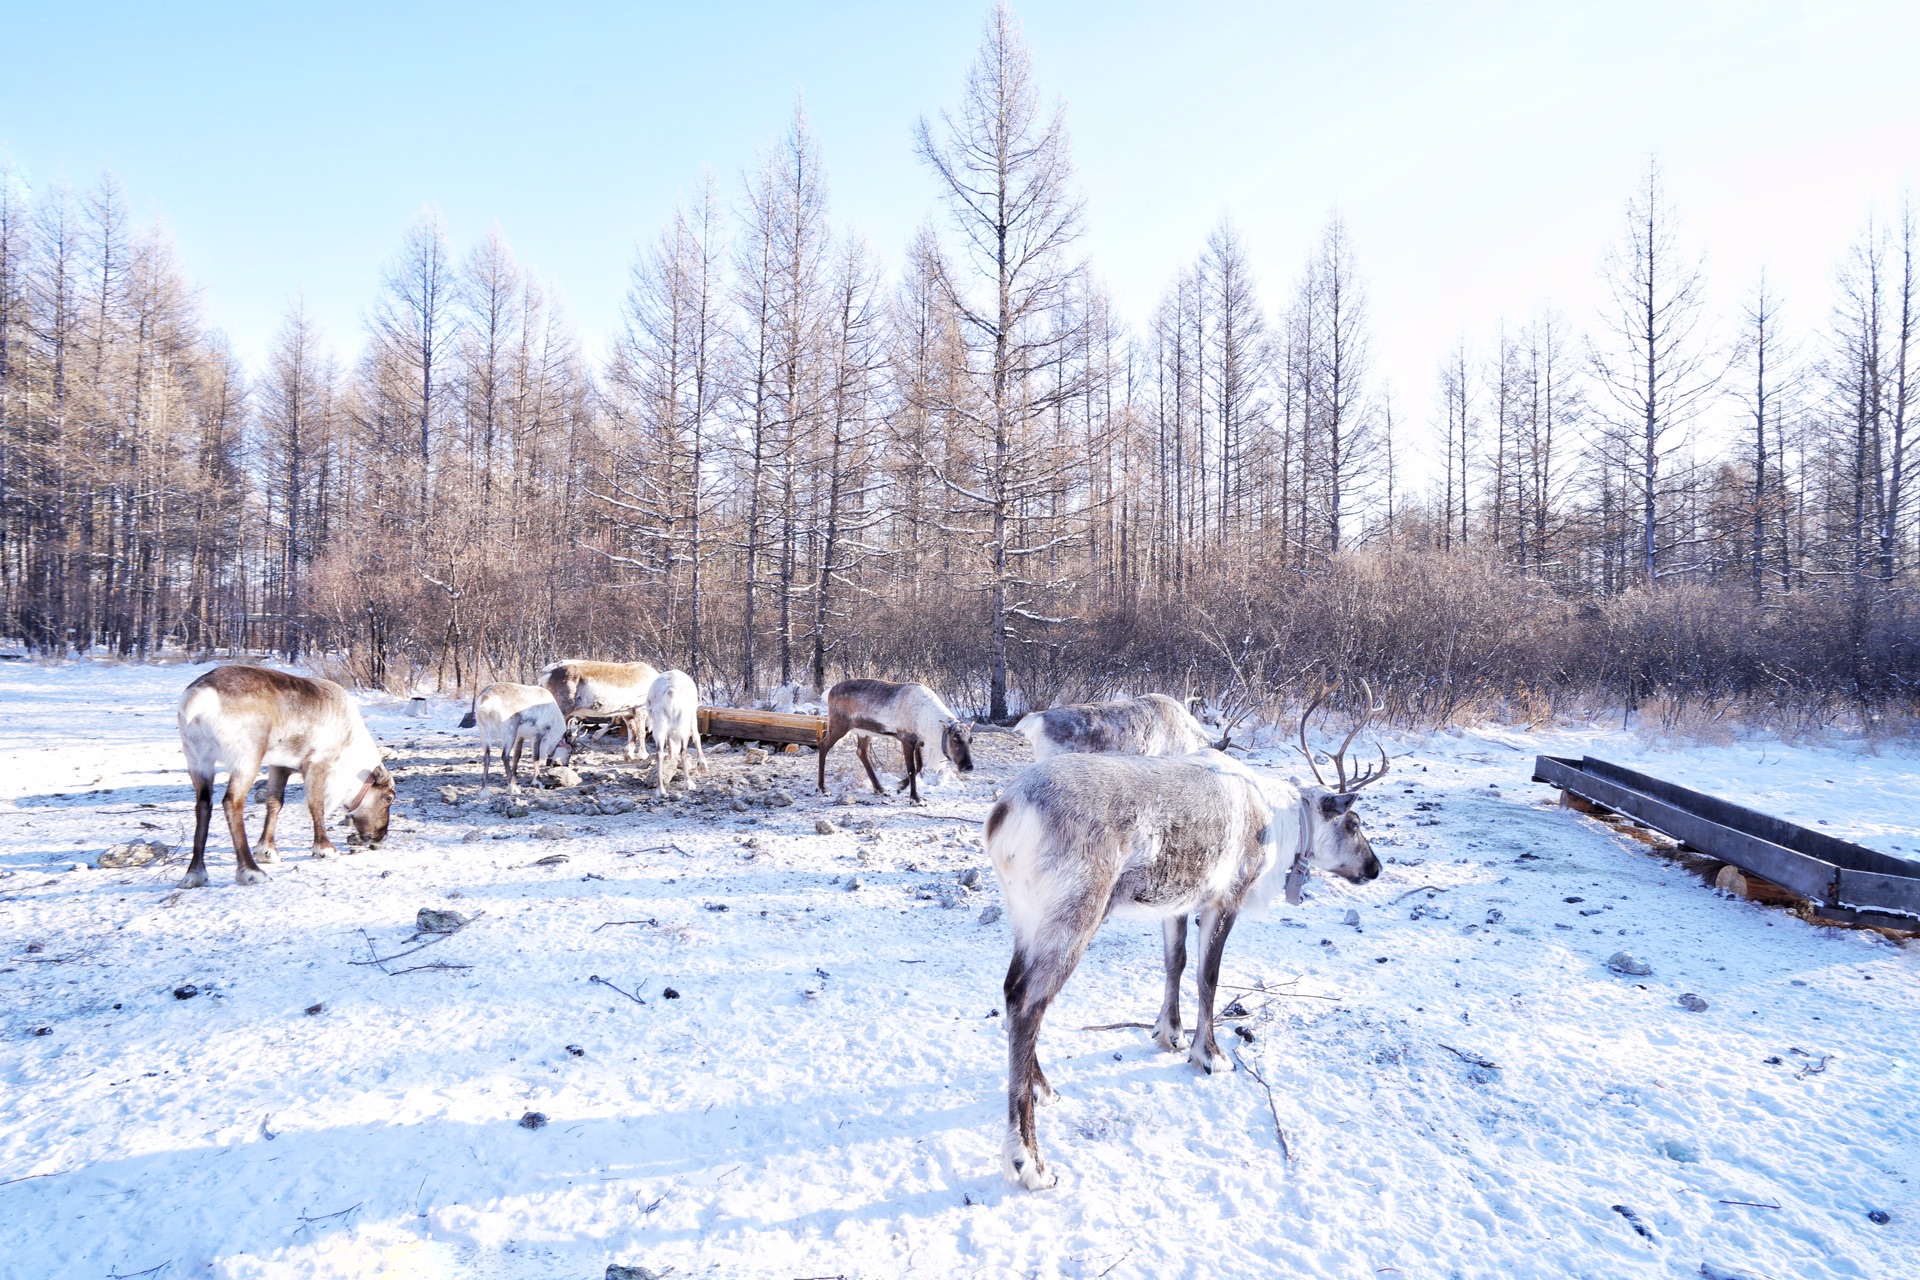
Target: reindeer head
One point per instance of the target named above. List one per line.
(373, 808)
(560, 750)
(956, 740)
(1335, 841)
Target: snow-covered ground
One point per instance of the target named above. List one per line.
(825, 1096)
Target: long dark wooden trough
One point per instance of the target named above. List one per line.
(1842, 880)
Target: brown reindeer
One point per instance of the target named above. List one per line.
(252, 717)
(911, 714)
(614, 692)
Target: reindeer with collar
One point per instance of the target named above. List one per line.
(247, 717)
(1078, 839)
(911, 714)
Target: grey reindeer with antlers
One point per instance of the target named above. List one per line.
(1078, 839)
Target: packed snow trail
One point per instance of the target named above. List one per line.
(825, 1095)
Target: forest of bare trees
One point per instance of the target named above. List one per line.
(793, 461)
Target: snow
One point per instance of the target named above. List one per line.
(826, 1096)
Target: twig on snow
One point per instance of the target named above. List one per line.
(1269, 991)
(1813, 1068)
(372, 952)
(603, 982)
(1119, 1026)
(1425, 888)
(306, 1222)
(51, 1173)
(1472, 1058)
(382, 960)
(1272, 1110)
(1110, 1270)
(437, 964)
(135, 1275)
(608, 924)
(1750, 1204)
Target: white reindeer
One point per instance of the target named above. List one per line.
(604, 691)
(511, 717)
(1150, 725)
(249, 717)
(911, 714)
(673, 713)
(1079, 838)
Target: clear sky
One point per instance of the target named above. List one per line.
(1481, 152)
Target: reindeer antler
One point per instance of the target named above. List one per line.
(1339, 758)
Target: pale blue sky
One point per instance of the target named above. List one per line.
(1481, 152)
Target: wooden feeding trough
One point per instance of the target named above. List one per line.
(780, 728)
(1840, 880)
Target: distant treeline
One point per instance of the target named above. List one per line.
(790, 464)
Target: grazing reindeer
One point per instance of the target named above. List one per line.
(604, 691)
(509, 717)
(1150, 725)
(246, 717)
(912, 714)
(673, 712)
(1079, 838)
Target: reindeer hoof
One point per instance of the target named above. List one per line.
(1044, 1094)
(195, 879)
(268, 854)
(1025, 1167)
(1206, 1060)
(249, 875)
(1168, 1038)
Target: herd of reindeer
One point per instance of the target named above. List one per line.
(1128, 810)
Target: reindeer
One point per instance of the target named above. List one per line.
(673, 711)
(912, 714)
(1077, 839)
(604, 691)
(246, 717)
(509, 717)
(1150, 725)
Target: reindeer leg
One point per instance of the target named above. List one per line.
(862, 747)
(512, 767)
(1173, 933)
(910, 757)
(837, 727)
(314, 781)
(276, 796)
(202, 818)
(246, 870)
(1215, 924)
(1033, 980)
(486, 765)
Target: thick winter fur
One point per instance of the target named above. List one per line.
(673, 712)
(1150, 725)
(1079, 838)
(247, 718)
(604, 691)
(912, 714)
(512, 717)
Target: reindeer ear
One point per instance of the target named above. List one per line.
(382, 777)
(1337, 805)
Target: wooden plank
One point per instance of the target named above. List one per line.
(1788, 835)
(749, 725)
(1873, 891)
(1806, 876)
